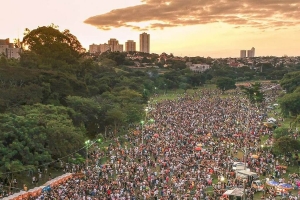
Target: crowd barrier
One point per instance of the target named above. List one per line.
(35, 192)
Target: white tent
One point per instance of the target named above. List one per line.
(235, 192)
(271, 119)
(228, 192)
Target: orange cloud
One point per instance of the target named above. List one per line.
(261, 14)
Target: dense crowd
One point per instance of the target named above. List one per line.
(187, 153)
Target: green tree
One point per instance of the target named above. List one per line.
(253, 93)
(53, 46)
(3, 61)
(116, 117)
(280, 132)
(286, 145)
(225, 83)
(290, 104)
(87, 112)
(290, 81)
(36, 134)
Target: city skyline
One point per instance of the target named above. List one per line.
(215, 28)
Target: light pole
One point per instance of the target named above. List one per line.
(142, 123)
(87, 143)
(245, 156)
(146, 110)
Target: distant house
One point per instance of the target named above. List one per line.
(198, 67)
(236, 64)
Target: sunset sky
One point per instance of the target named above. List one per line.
(216, 28)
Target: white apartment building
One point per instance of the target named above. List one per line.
(199, 67)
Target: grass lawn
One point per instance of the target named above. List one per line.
(173, 94)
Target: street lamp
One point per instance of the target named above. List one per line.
(151, 120)
(142, 123)
(87, 143)
(245, 156)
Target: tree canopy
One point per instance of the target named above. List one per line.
(53, 47)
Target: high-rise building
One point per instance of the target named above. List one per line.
(251, 53)
(119, 48)
(243, 54)
(130, 46)
(114, 45)
(145, 42)
(104, 47)
(94, 48)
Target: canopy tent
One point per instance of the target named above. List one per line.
(272, 183)
(285, 186)
(238, 192)
(228, 192)
(271, 119)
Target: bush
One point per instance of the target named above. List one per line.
(280, 132)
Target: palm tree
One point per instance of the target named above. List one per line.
(253, 92)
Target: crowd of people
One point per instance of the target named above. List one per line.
(186, 153)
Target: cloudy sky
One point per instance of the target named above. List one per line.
(216, 28)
